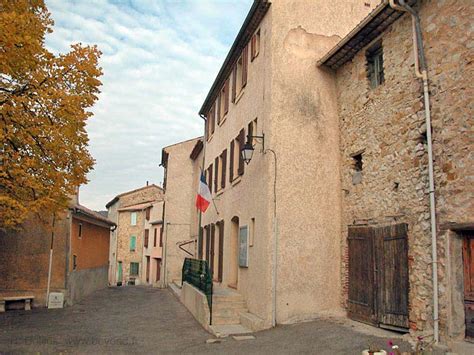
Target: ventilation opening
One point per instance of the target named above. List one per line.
(357, 162)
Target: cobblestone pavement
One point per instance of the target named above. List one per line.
(146, 320)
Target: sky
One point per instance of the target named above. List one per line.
(159, 60)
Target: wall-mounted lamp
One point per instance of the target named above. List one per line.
(248, 148)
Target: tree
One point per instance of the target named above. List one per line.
(44, 102)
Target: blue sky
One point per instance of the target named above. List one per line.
(159, 61)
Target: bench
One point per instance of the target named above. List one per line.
(27, 299)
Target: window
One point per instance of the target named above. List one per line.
(252, 232)
(222, 167)
(80, 230)
(134, 269)
(255, 45)
(209, 177)
(133, 218)
(161, 236)
(74, 262)
(147, 235)
(357, 165)
(375, 72)
(211, 121)
(147, 213)
(216, 175)
(223, 102)
(133, 243)
(155, 232)
(240, 74)
(236, 163)
(252, 130)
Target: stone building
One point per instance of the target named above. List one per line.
(153, 245)
(79, 258)
(386, 236)
(182, 166)
(273, 239)
(132, 211)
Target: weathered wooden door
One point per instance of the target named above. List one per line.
(361, 302)
(119, 273)
(378, 275)
(468, 263)
(392, 275)
(221, 251)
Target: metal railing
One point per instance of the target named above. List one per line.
(197, 273)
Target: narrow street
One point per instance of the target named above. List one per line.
(148, 320)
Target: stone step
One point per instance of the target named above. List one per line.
(229, 305)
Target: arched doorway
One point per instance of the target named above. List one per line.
(234, 253)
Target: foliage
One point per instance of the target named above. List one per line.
(44, 101)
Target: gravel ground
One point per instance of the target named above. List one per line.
(146, 320)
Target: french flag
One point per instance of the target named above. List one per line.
(203, 199)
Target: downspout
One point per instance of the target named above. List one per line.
(422, 72)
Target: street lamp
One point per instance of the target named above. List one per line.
(248, 149)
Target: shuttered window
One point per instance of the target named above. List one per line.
(231, 161)
(241, 141)
(255, 45)
(147, 236)
(216, 174)
(234, 83)
(134, 269)
(133, 218)
(245, 58)
(155, 232)
(133, 243)
(223, 167)
(209, 177)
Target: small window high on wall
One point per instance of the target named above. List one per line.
(375, 73)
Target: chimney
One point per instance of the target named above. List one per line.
(147, 183)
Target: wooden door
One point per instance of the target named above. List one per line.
(148, 265)
(158, 269)
(221, 251)
(468, 265)
(119, 273)
(392, 276)
(361, 302)
(212, 248)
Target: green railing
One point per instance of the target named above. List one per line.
(197, 273)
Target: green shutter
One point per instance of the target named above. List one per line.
(133, 243)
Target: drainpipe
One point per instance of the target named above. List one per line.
(422, 72)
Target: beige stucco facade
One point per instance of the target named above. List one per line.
(289, 97)
(140, 203)
(180, 217)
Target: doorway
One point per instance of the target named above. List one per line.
(378, 276)
(468, 271)
(119, 274)
(234, 254)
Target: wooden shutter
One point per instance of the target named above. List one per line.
(241, 139)
(224, 167)
(245, 59)
(209, 177)
(361, 300)
(221, 251)
(147, 213)
(147, 236)
(216, 174)
(231, 161)
(154, 236)
(226, 96)
(391, 244)
(218, 103)
(161, 236)
(252, 47)
(234, 83)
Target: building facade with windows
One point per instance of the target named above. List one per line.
(387, 260)
(132, 213)
(274, 234)
(182, 164)
(79, 238)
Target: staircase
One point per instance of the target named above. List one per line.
(227, 306)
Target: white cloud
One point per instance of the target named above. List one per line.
(159, 61)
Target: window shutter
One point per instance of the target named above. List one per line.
(224, 166)
(161, 236)
(213, 118)
(221, 251)
(241, 139)
(147, 213)
(218, 103)
(231, 161)
(234, 84)
(154, 237)
(252, 48)
(216, 174)
(209, 180)
(226, 96)
(147, 235)
(245, 58)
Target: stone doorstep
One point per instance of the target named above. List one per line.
(225, 330)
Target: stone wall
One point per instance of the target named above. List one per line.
(387, 125)
(82, 283)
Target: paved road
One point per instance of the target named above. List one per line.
(145, 320)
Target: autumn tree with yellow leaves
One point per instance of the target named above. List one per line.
(44, 102)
